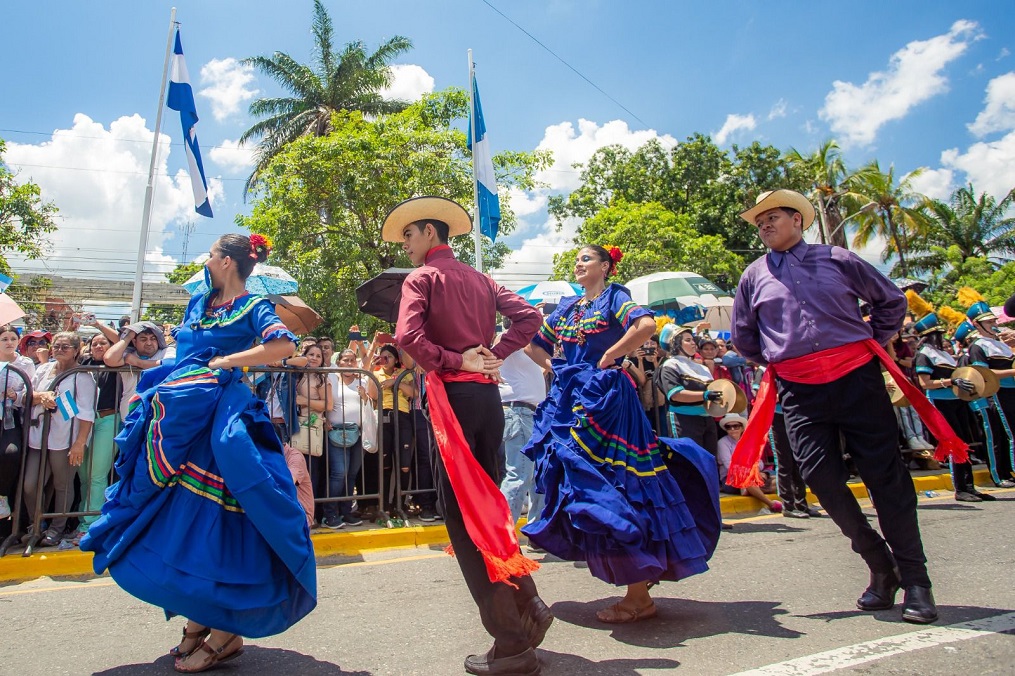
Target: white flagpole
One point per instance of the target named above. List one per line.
(146, 216)
(476, 234)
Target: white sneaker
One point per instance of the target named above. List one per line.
(916, 444)
(5, 508)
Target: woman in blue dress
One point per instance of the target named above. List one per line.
(204, 521)
(636, 508)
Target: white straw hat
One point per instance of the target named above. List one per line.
(774, 199)
(422, 208)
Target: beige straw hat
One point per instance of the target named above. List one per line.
(774, 199)
(422, 208)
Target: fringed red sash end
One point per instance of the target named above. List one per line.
(742, 477)
(450, 550)
(954, 448)
(501, 570)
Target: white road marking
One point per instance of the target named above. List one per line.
(869, 651)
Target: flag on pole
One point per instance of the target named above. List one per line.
(181, 98)
(5, 281)
(66, 405)
(482, 170)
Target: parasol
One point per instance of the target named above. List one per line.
(9, 310)
(298, 317)
(264, 280)
(549, 292)
(380, 296)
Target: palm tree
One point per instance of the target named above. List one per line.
(882, 207)
(826, 172)
(350, 80)
(976, 226)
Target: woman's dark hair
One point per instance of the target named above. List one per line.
(394, 353)
(239, 248)
(9, 328)
(934, 339)
(605, 256)
(321, 378)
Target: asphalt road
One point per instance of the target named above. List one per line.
(781, 592)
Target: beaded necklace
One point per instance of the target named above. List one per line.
(579, 315)
(221, 310)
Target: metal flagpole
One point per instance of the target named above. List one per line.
(476, 234)
(146, 216)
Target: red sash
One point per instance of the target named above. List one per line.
(484, 508)
(820, 368)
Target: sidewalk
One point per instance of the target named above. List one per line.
(49, 562)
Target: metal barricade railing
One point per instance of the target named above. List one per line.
(420, 484)
(15, 466)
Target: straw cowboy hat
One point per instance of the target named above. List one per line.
(422, 208)
(781, 198)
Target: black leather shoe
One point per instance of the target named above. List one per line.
(536, 621)
(985, 497)
(813, 512)
(965, 496)
(918, 605)
(880, 593)
(523, 664)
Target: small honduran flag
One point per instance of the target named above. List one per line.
(66, 405)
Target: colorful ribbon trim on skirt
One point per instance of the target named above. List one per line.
(484, 508)
(820, 368)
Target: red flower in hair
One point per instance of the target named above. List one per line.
(259, 243)
(616, 255)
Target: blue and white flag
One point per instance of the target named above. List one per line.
(181, 98)
(482, 169)
(66, 405)
(5, 281)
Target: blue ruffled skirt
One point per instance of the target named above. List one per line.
(204, 521)
(635, 507)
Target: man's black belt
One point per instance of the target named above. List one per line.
(520, 404)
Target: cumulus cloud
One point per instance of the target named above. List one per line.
(914, 75)
(998, 113)
(936, 183)
(97, 178)
(228, 86)
(533, 261)
(231, 156)
(525, 203)
(408, 82)
(733, 124)
(778, 110)
(990, 167)
(570, 146)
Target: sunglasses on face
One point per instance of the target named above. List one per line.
(35, 342)
(62, 347)
(734, 426)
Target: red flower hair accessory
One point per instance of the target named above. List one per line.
(259, 244)
(616, 255)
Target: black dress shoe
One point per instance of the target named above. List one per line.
(985, 497)
(536, 620)
(918, 605)
(813, 512)
(523, 664)
(965, 496)
(880, 593)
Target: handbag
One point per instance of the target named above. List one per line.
(308, 438)
(369, 430)
(345, 435)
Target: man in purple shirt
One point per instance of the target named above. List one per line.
(802, 299)
(446, 322)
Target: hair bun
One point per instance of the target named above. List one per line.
(260, 247)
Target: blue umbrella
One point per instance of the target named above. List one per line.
(264, 280)
(549, 292)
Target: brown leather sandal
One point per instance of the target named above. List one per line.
(196, 636)
(616, 614)
(232, 648)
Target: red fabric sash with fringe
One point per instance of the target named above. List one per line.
(484, 508)
(820, 368)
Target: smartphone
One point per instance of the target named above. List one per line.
(549, 308)
(384, 338)
(355, 335)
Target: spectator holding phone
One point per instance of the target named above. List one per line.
(397, 414)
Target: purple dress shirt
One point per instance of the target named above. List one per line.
(807, 299)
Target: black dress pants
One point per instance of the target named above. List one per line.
(959, 417)
(478, 409)
(857, 407)
(701, 429)
(1002, 451)
(791, 486)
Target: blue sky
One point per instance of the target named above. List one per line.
(910, 83)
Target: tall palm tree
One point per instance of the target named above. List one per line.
(350, 80)
(884, 207)
(977, 226)
(826, 172)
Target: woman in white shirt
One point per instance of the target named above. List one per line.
(734, 425)
(67, 435)
(351, 404)
(12, 401)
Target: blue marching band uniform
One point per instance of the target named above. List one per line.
(204, 521)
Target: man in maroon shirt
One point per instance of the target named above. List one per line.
(446, 322)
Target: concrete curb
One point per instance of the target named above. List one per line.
(75, 563)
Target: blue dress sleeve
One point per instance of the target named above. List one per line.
(268, 325)
(546, 337)
(625, 310)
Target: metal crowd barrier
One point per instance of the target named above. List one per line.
(421, 486)
(22, 414)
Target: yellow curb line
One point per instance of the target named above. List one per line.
(75, 563)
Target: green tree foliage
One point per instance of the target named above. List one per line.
(654, 239)
(348, 80)
(825, 173)
(695, 179)
(25, 218)
(995, 283)
(325, 197)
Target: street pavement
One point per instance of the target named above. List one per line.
(781, 594)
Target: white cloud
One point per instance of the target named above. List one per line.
(936, 183)
(525, 203)
(97, 178)
(1003, 53)
(990, 167)
(229, 85)
(999, 112)
(778, 110)
(231, 156)
(570, 147)
(408, 82)
(914, 75)
(533, 261)
(732, 125)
